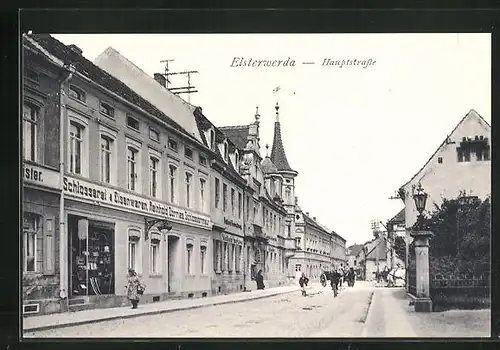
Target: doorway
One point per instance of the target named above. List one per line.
(173, 262)
(91, 260)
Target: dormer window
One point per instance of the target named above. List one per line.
(132, 123)
(212, 139)
(226, 151)
(107, 109)
(77, 93)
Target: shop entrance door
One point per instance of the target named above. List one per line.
(173, 251)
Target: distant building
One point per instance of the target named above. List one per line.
(375, 257)
(351, 255)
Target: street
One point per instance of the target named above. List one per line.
(288, 315)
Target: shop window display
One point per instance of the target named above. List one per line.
(92, 257)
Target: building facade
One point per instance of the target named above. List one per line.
(461, 166)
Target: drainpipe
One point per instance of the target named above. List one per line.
(245, 258)
(63, 237)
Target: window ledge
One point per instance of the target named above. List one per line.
(155, 275)
(218, 272)
(107, 115)
(133, 129)
(78, 101)
(190, 275)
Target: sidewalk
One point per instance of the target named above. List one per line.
(391, 316)
(67, 319)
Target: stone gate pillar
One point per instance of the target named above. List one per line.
(423, 302)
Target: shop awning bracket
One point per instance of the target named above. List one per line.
(150, 223)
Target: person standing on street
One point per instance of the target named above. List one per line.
(303, 280)
(259, 279)
(134, 288)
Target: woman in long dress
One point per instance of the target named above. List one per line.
(133, 286)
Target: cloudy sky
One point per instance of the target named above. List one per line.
(354, 134)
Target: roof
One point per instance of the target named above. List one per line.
(471, 113)
(278, 155)
(399, 218)
(101, 77)
(310, 221)
(374, 248)
(268, 167)
(354, 249)
(237, 134)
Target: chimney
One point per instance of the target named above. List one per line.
(75, 48)
(307, 213)
(314, 218)
(160, 79)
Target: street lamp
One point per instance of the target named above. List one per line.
(420, 198)
(423, 302)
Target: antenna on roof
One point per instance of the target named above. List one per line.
(189, 89)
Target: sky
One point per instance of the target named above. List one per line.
(354, 134)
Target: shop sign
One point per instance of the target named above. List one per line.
(84, 190)
(232, 223)
(231, 239)
(41, 176)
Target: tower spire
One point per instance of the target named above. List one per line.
(278, 156)
(277, 107)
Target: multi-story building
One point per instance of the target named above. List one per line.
(338, 254)
(264, 211)
(132, 181)
(351, 255)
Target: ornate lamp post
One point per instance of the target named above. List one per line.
(423, 302)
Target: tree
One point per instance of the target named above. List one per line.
(400, 248)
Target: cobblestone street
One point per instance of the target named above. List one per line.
(289, 315)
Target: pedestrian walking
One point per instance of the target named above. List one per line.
(303, 280)
(259, 279)
(334, 281)
(134, 288)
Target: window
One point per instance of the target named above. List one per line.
(106, 144)
(203, 259)
(233, 204)
(77, 93)
(30, 119)
(76, 147)
(189, 257)
(212, 139)
(154, 256)
(297, 242)
(238, 258)
(172, 175)
(466, 155)
(132, 155)
(188, 152)
(188, 190)
(154, 135)
(289, 229)
(217, 255)
(248, 208)
(288, 192)
(132, 254)
(153, 176)
(440, 160)
(203, 183)
(224, 256)
(226, 152)
(172, 144)
(230, 257)
(239, 205)
(30, 230)
(224, 197)
(217, 192)
(31, 74)
(236, 161)
(483, 154)
(132, 123)
(203, 160)
(107, 109)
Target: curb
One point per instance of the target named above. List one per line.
(367, 317)
(148, 313)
